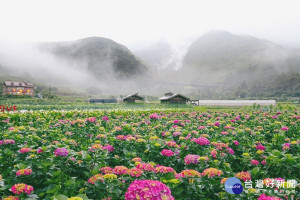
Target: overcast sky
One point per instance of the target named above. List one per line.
(128, 21)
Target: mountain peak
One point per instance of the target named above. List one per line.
(96, 39)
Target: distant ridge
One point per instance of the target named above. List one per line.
(99, 55)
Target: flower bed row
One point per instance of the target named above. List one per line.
(150, 154)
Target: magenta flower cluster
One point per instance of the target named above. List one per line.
(108, 148)
(167, 152)
(202, 141)
(254, 162)
(191, 159)
(176, 121)
(154, 116)
(266, 197)
(61, 152)
(105, 118)
(148, 189)
(260, 147)
(7, 141)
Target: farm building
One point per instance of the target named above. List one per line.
(18, 88)
(103, 100)
(174, 98)
(133, 98)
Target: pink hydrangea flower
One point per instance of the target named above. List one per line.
(260, 147)
(167, 152)
(105, 118)
(202, 141)
(164, 169)
(95, 178)
(230, 151)
(106, 170)
(286, 146)
(154, 116)
(22, 172)
(201, 127)
(265, 197)
(25, 150)
(146, 167)
(7, 141)
(236, 142)
(108, 148)
(137, 159)
(176, 134)
(217, 123)
(176, 121)
(39, 150)
(21, 188)
(191, 159)
(285, 128)
(213, 153)
(243, 175)
(135, 172)
(119, 170)
(211, 172)
(148, 189)
(61, 152)
(264, 162)
(254, 162)
(91, 119)
(171, 144)
(188, 173)
(224, 133)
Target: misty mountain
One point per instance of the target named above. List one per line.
(240, 66)
(100, 56)
(163, 54)
(217, 65)
(156, 55)
(222, 57)
(94, 65)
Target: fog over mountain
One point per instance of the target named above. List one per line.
(220, 56)
(163, 54)
(221, 62)
(101, 57)
(217, 64)
(91, 64)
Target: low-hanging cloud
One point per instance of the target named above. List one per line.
(21, 58)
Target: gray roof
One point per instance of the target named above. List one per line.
(174, 95)
(103, 100)
(18, 84)
(132, 95)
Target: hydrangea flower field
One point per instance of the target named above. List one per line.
(149, 154)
